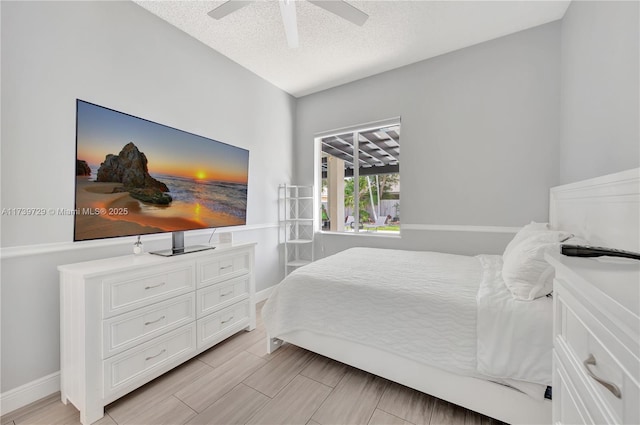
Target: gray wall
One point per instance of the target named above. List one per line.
(118, 55)
(479, 138)
(600, 89)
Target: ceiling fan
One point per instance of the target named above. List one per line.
(288, 12)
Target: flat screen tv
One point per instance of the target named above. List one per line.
(138, 177)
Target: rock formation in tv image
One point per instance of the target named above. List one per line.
(82, 168)
(129, 167)
(120, 197)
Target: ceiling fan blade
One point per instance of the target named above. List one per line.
(343, 9)
(290, 21)
(227, 7)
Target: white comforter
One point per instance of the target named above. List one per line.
(423, 306)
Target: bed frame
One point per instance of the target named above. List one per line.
(584, 208)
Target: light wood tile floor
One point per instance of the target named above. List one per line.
(237, 382)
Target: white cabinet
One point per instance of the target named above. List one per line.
(297, 223)
(596, 376)
(126, 320)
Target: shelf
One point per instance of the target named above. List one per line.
(296, 216)
(300, 241)
(298, 263)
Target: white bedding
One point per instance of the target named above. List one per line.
(418, 305)
(514, 336)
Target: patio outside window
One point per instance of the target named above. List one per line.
(366, 197)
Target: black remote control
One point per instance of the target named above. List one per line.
(596, 251)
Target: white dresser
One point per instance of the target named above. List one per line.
(127, 320)
(596, 375)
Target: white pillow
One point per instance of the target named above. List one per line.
(522, 234)
(525, 271)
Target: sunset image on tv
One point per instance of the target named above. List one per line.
(136, 177)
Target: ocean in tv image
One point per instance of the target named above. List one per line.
(136, 177)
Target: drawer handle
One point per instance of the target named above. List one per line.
(226, 293)
(153, 357)
(591, 361)
(154, 286)
(226, 267)
(154, 321)
(225, 321)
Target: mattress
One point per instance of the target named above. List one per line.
(423, 306)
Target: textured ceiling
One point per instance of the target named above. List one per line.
(333, 51)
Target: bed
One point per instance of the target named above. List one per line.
(455, 327)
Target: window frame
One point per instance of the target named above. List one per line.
(355, 129)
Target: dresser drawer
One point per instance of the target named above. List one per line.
(572, 382)
(130, 329)
(598, 355)
(222, 268)
(215, 297)
(570, 407)
(141, 364)
(127, 292)
(216, 326)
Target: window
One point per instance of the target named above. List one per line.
(366, 197)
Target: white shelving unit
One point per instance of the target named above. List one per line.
(297, 225)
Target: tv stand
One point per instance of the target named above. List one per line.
(127, 320)
(178, 248)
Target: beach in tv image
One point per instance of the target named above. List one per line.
(136, 177)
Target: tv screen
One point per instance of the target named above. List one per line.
(137, 177)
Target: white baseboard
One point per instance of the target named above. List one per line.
(29, 392)
(264, 294)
